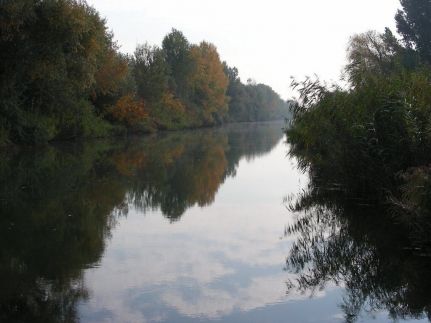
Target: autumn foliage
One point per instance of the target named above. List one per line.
(62, 77)
(209, 83)
(129, 111)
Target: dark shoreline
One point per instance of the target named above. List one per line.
(135, 135)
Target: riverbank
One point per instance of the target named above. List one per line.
(124, 135)
(62, 77)
(372, 141)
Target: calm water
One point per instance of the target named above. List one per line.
(188, 227)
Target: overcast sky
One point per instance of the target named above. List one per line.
(267, 40)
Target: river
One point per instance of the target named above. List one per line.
(186, 226)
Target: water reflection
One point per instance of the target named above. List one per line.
(59, 206)
(356, 244)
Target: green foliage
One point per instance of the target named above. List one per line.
(177, 52)
(370, 133)
(51, 53)
(150, 70)
(185, 85)
(370, 53)
(253, 102)
(367, 208)
(414, 25)
(371, 138)
(62, 77)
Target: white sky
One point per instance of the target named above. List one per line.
(267, 40)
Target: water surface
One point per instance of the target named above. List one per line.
(176, 227)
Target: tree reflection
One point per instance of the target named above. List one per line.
(55, 218)
(58, 206)
(182, 170)
(357, 244)
(178, 171)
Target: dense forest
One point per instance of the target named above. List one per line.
(373, 139)
(62, 76)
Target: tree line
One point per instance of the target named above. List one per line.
(62, 76)
(373, 139)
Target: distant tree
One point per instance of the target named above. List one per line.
(112, 81)
(177, 52)
(232, 73)
(111, 73)
(169, 113)
(62, 77)
(209, 83)
(129, 111)
(237, 95)
(251, 81)
(253, 102)
(150, 70)
(414, 25)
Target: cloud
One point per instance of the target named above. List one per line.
(217, 260)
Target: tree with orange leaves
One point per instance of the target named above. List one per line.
(209, 83)
(129, 111)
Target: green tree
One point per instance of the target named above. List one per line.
(414, 25)
(370, 53)
(177, 51)
(253, 102)
(51, 53)
(150, 71)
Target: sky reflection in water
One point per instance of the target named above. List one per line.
(182, 227)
